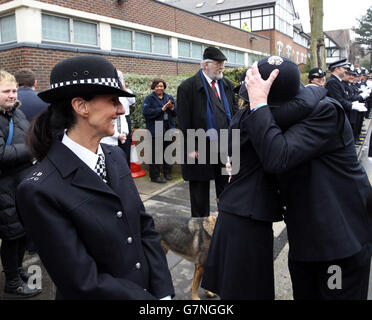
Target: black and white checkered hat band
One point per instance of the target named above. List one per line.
(110, 82)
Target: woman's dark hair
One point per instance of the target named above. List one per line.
(156, 81)
(47, 125)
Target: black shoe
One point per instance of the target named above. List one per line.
(168, 177)
(158, 180)
(19, 291)
(23, 274)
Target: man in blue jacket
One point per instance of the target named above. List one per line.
(32, 105)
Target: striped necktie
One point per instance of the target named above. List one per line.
(100, 168)
(215, 89)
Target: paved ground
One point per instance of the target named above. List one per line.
(173, 198)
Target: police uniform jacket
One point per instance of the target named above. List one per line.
(336, 90)
(94, 239)
(252, 192)
(321, 181)
(192, 114)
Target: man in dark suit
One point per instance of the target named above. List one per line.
(324, 188)
(205, 101)
(31, 103)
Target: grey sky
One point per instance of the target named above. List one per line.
(338, 14)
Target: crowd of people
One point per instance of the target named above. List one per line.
(297, 163)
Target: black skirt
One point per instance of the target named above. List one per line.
(240, 259)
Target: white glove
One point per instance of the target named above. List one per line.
(365, 94)
(359, 107)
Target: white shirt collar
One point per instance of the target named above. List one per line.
(210, 83)
(337, 77)
(208, 79)
(88, 157)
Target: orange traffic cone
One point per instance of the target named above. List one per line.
(135, 167)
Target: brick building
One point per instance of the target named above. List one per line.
(139, 36)
(276, 20)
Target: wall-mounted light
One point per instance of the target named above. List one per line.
(252, 38)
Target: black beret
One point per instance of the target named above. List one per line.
(316, 73)
(213, 54)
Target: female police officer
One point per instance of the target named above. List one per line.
(80, 204)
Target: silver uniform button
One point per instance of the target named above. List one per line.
(138, 265)
(119, 214)
(130, 240)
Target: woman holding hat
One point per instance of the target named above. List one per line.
(80, 204)
(240, 259)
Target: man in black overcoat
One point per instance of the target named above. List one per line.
(324, 188)
(205, 101)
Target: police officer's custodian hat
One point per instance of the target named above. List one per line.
(339, 63)
(213, 54)
(81, 76)
(316, 73)
(286, 85)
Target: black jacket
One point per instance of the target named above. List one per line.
(321, 181)
(95, 240)
(252, 192)
(192, 114)
(15, 159)
(336, 90)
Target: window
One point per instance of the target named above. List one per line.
(234, 57)
(245, 14)
(235, 23)
(62, 29)
(240, 58)
(161, 45)
(184, 49)
(142, 42)
(55, 28)
(267, 22)
(257, 24)
(121, 39)
(138, 41)
(284, 17)
(8, 29)
(85, 33)
(289, 51)
(235, 15)
(280, 48)
(197, 51)
(231, 56)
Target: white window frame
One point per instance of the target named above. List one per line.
(280, 48)
(152, 41)
(71, 31)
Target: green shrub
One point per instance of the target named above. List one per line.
(140, 84)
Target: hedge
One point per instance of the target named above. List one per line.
(140, 84)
